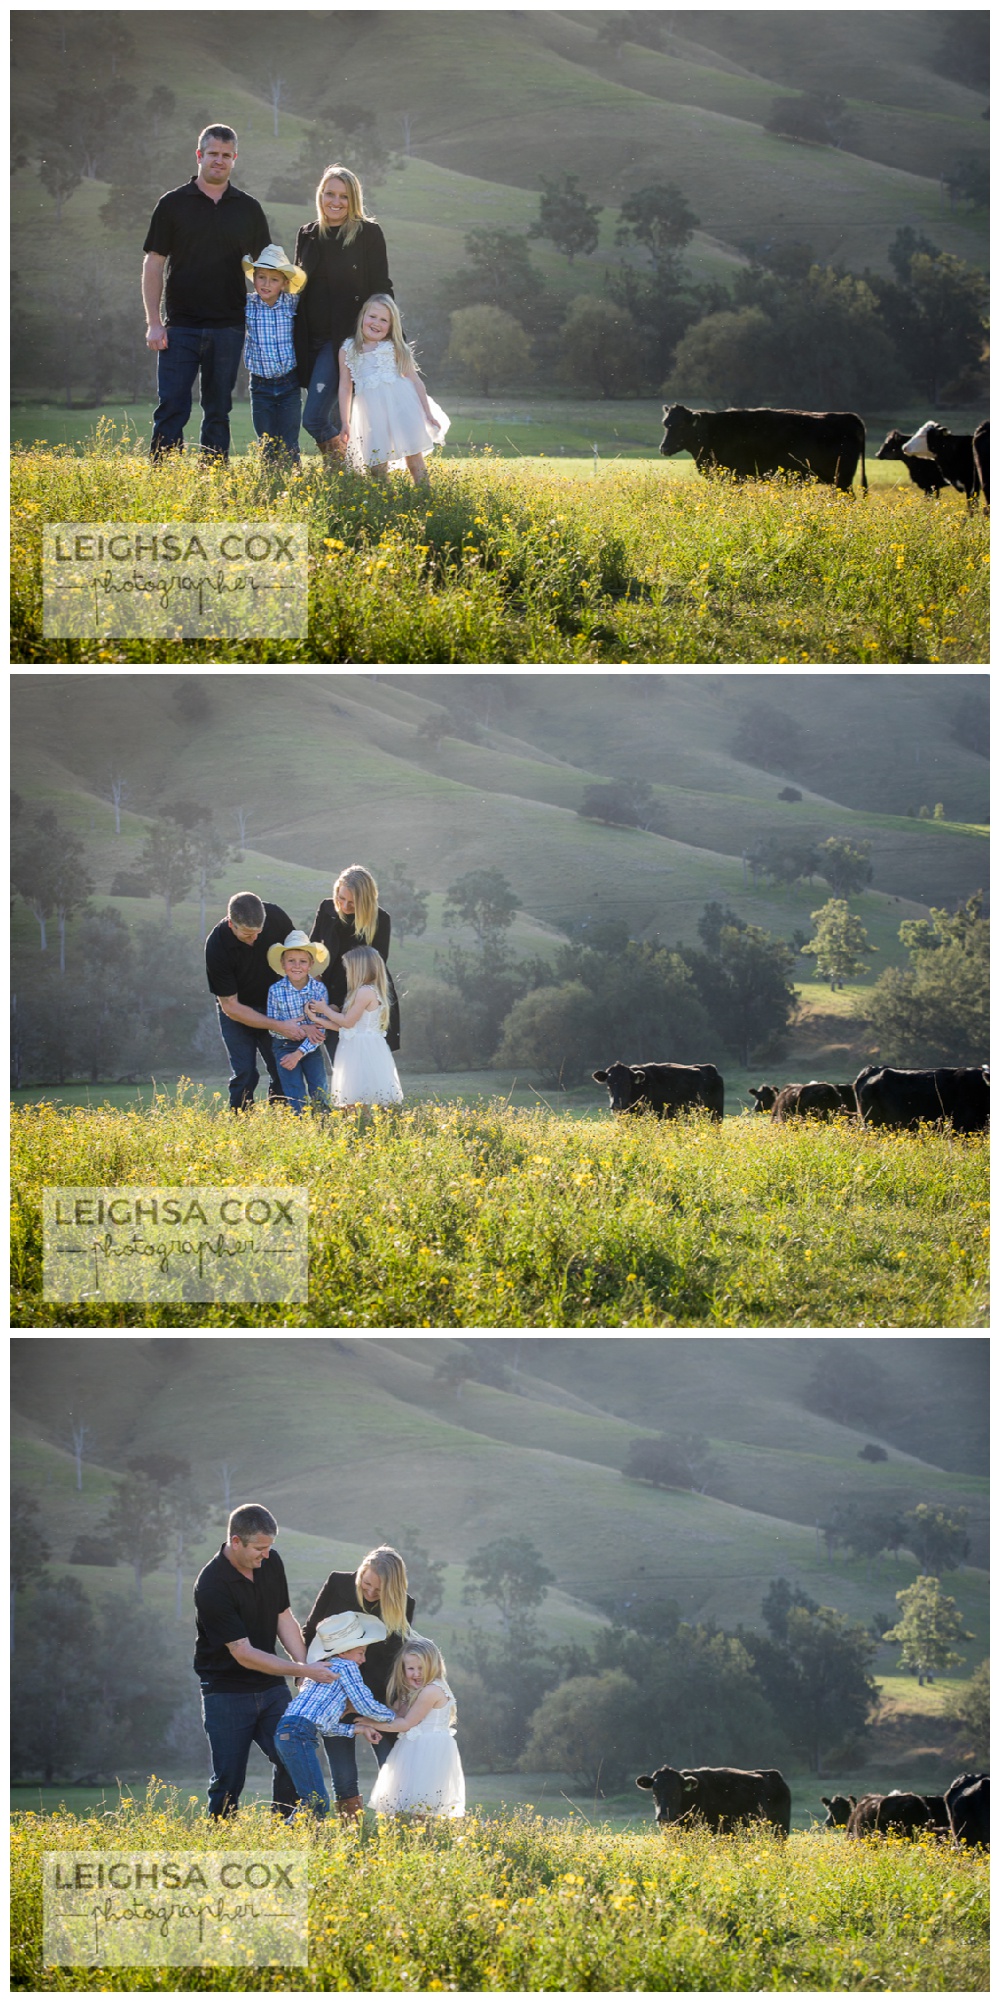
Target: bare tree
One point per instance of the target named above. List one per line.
(83, 1439)
(118, 789)
(242, 819)
(275, 86)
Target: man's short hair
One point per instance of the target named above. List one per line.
(251, 1520)
(245, 909)
(216, 132)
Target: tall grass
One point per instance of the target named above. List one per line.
(513, 563)
(516, 1902)
(461, 1216)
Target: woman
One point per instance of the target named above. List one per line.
(344, 257)
(352, 917)
(377, 1587)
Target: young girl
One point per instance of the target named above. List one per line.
(423, 1773)
(386, 415)
(363, 1070)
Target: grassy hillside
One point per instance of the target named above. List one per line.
(534, 1458)
(328, 763)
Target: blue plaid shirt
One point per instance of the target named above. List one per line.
(288, 1004)
(269, 351)
(324, 1703)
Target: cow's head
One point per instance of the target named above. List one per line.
(918, 447)
(678, 426)
(892, 446)
(673, 1793)
(838, 1809)
(625, 1084)
(764, 1095)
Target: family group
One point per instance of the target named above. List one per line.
(296, 1000)
(359, 1669)
(325, 321)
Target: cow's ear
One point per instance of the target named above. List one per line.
(644, 1780)
(599, 1077)
(638, 1075)
(852, 1800)
(825, 1798)
(689, 1783)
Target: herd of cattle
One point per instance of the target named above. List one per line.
(824, 445)
(879, 1095)
(724, 1798)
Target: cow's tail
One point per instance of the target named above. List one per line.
(864, 475)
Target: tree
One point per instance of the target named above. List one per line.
(784, 861)
(591, 1726)
(936, 319)
(846, 866)
(937, 1010)
(445, 1031)
(185, 1514)
(557, 1031)
(30, 1549)
(566, 217)
(733, 356)
(137, 1524)
(778, 1602)
(48, 871)
(846, 1385)
(500, 273)
(744, 987)
(484, 900)
(509, 1574)
(169, 863)
(769, 737)
(929, 1625)
(816, 1680)
(60, 174)
(209, 853)
(674, 1460)
(970, 1708)
(660, 219)
(820, 117)
(939, 1541)
(399, 894)
(627, 802)
(600, 346)
(424, 1573)
(490, 345)
(839, 943)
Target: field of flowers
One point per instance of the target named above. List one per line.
(517, 561)
(449, 1215)
(516, 1902)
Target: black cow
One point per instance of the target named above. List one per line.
(908, 1098)
(924, 473)
(952, 454)
(968, 1803)
(663, 1088)
(839, 1807)
(823, 445)
(722, 1796)
(765, 1096)
(814, 1100)
(861, 1820)
(981, 455)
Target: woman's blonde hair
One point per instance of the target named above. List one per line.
(406, 361)
(391, 1572)
(355, 204)
(400, 1693)
(364, 890)
(366, 968)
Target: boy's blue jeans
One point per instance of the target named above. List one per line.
(297, 1745)
(275, 409)
(311, 1071)
(215, 351)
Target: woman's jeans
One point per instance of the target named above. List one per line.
(343, 1756)
(274, 407)
(321, 398)
(310, 1071)
(215, 352)
(297, 1746)
(235, 1720)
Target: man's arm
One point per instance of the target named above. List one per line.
(152, 290)
(293, 1032)
(276, 1664)
(290, 1635)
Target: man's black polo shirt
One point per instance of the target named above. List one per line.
(230, 1607)
(235, 968)
(203, 242)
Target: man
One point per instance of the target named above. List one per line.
(199, 235)
(241, 1604)
(239, 977)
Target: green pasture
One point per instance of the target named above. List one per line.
(456, 1216)
(514, 562)
(513, 1900)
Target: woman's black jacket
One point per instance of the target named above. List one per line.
(340, 1595)
(339, 935)
(340, 278)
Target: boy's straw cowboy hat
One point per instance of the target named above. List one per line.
(342, 1631)
(273, 259)
(298, 942)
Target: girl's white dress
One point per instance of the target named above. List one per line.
(388, 425)
(363, 1070)
(423, 1773)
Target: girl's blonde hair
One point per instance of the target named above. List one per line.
(400, 1693)
(364, 890)
(406, 361)
(355, 204)
(366, 968)
(386, 1563)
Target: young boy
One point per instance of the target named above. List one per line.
(269, 355)
(340, 1643)
(301, 1064)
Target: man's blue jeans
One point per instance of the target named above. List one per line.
(310, 1070)
(321, 397)
(235, 1720)
(215, 351)
(275, 403)
(243, 1046)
